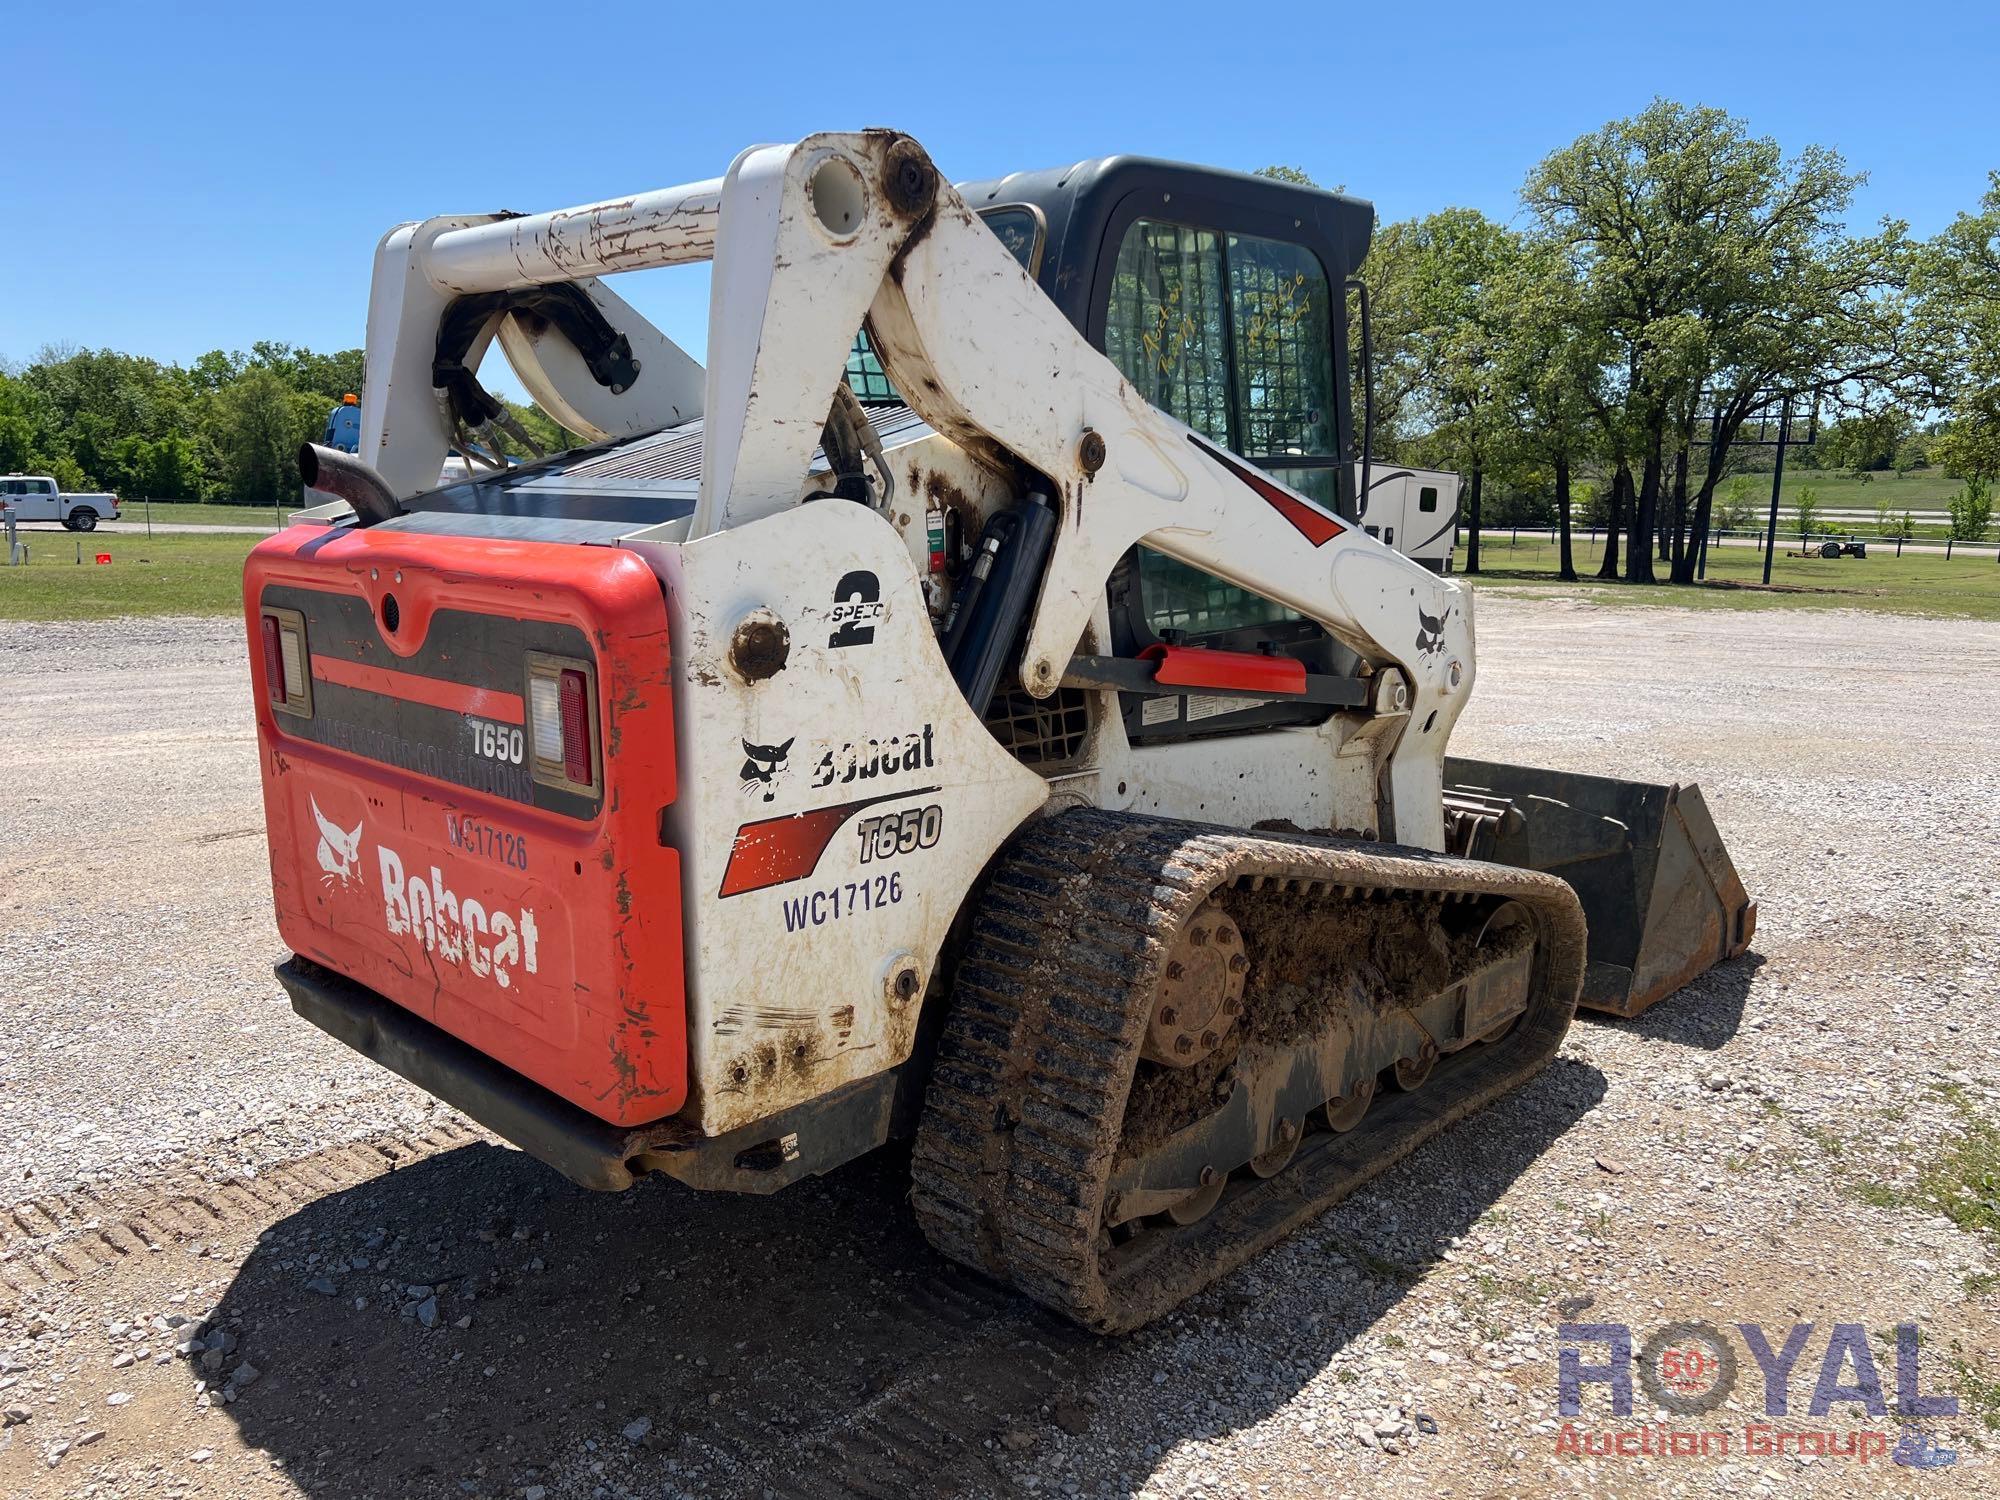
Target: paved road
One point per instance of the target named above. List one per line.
(128, 526)
(390, 1304)
(1984, 550)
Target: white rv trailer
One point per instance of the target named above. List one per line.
(1413, 510)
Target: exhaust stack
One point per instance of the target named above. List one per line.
(346, 477)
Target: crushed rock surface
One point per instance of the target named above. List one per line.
(451, 1319)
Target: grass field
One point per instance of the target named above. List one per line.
(1837, 489)
(168, 575)
(1966, 587)
(202, 575)
(189, 514)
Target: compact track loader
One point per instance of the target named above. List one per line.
(996, 727)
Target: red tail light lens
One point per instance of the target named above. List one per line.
(574, 693)
(287, 664)
(274, 662)
(562, 722)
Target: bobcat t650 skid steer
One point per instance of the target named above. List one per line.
(998, 729)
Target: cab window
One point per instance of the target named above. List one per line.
(1230, 333)
(1166, 328)
(1200, 607)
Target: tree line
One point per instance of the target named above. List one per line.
(226, 428)
(1672, 283)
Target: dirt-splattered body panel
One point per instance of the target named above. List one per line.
(836, 811)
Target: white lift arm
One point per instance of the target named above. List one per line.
(809, 239)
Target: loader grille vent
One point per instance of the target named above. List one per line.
(1042, 732)
(674, 456)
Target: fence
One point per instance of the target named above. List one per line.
(1948, 547)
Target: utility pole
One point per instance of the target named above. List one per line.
(1777, 483)
(1700, 543)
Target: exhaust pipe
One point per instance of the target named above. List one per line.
(346, 477)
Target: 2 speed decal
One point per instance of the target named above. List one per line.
(857, 605)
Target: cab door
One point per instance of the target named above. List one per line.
(37, 501)
(1234, 335)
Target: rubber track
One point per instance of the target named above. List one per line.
(1026, 1104)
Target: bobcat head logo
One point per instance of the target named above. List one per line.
(761, 768)
(339, 850)
(1430, 632)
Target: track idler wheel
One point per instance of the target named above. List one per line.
(1197, 1203)
(1284, 1146)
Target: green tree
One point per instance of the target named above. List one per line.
(1971, 511)
(1864, 442)
(17, 425)
(1437, 292)
(1721, 275)
(1550, 362)
(1734, 511)
(1955, 285)
(1805, 511)
(260, 424)
(64, 470)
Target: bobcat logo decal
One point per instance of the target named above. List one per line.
(1430, 632)
(761, 768)
(339, 850)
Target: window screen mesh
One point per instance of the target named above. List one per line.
(1284, 354)
(864, 374)
(1178, 597)
(1165, 326)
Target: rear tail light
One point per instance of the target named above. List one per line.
(287, 664)
(562, 718)
(274, 662)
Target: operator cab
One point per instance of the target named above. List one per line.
(1215, 294)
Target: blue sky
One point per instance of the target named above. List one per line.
(180, 178)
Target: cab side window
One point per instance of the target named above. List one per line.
(1283, 349)
(1199, 609)
(1230, 333)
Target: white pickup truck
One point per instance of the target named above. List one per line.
(34, 497)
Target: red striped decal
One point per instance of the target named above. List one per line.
(777, 851)
(1312, 523)
(456, 697)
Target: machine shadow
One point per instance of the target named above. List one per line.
(663, 1341)
(1704, 1013)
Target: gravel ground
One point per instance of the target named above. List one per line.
(136, 932)
(243, 1262)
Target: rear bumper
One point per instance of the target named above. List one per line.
(582, 1147)
(759, 1158)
